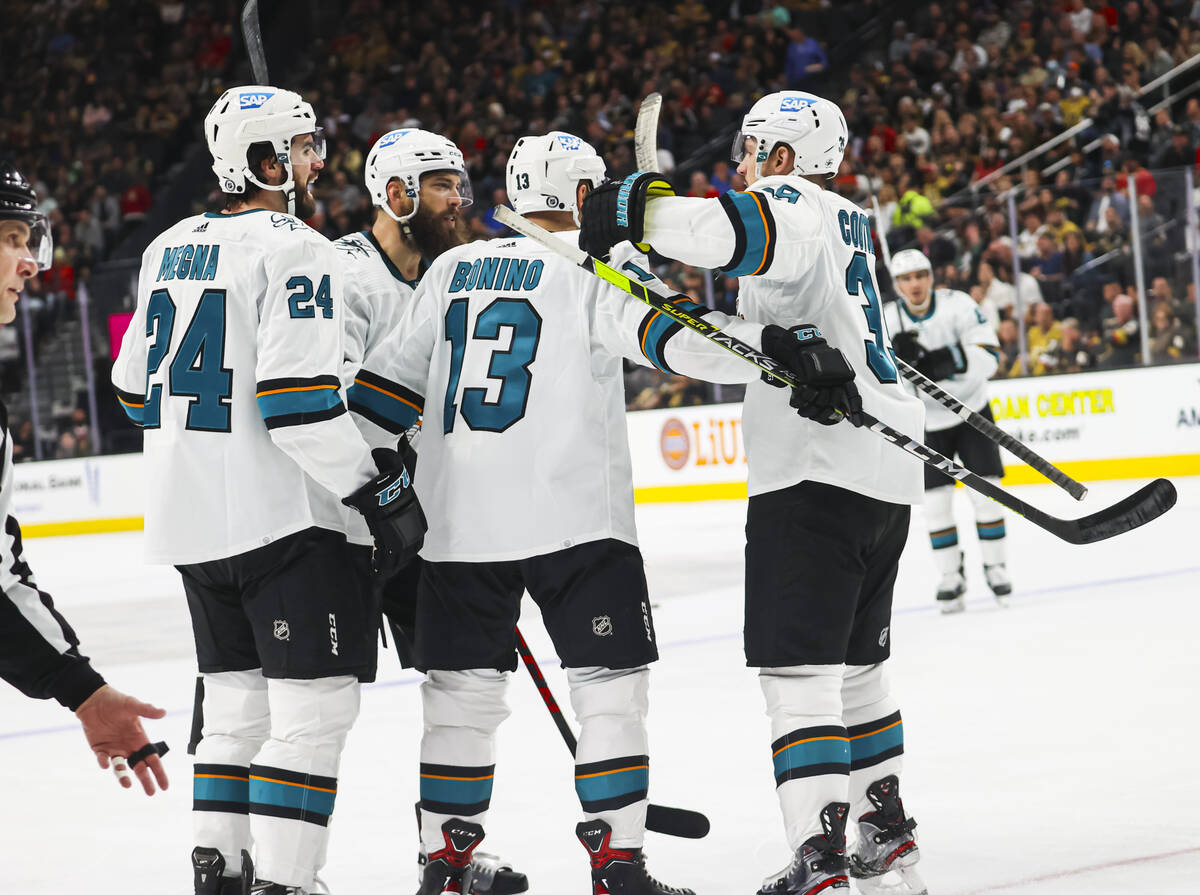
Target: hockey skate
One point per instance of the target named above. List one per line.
(208, 867)
(618, 871)
(951, 589)
(820, 863)
(252, 886)
(883, 859)
(486, 875)
(446, 868)
(998, 580)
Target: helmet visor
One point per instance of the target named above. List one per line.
(41, 244)
(447, 183)
(743, 144)
(308, 147)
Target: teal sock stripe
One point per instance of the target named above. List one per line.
(876, 741)
(811, 752)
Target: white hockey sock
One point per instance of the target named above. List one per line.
(809, 747)
(875, 730)
(989, 525)
(293, 779)
(612, 763)
(237, 722)
(943, 533)
(462, 710)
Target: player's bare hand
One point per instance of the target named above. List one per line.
(112, 725)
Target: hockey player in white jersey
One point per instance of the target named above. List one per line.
(418, 183)
(946, 337)
(232, 365)
(518, 355)
(829, 507)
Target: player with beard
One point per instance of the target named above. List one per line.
(232, 366)
(418, 182)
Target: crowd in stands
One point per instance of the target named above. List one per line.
(935, 102)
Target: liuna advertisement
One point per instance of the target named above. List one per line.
(1107, 425)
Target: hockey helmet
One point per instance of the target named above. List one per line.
(814, 127)
(18, 202)
(407, 154)
(544, 172)
(243, 116)
(909, 261)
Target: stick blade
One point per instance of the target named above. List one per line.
(645, 134)
(1144, 505)
(252, 35)
(677, 822)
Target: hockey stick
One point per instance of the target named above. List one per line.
(669, 821)
(252, 35)
(1146, 504)
(982, 424)
(645, 133)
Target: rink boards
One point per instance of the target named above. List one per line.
(1121, 424)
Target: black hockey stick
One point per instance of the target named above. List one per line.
(252, 35)
(982, 424)
(1146, 504)
(669, 821)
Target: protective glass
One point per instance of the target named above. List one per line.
(306, 153)
(438, 183)
(41, 243)
(742, 144)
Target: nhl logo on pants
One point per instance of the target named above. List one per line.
(282, 632)
(602, 626)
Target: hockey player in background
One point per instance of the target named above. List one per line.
(518, 355)
(232, 366)
(945, 336)
(39, 652)
(829, 507)
(418, 184)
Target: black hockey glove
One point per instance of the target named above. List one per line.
(390, 507)
(616, 211)
(942, 363)
(907, 347)
(826, 392)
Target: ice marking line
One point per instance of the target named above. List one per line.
(1078, 871)
(716, 638)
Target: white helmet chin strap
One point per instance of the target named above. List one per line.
(288, 187)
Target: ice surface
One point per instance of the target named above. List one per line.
(1050, 745)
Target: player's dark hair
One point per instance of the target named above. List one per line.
(256, 154)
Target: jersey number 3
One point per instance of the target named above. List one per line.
(859, 282)
(509, 365)
(197, 370)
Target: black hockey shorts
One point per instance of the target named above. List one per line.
(820, 566)
(301, 607)
(592, 596)
(974, 450)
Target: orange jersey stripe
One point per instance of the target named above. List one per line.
(439, 777)
(287, 783)
(298, 388)
(636, 767)
(880, 730)
(384, 391)
(766, 231)
(798, 742)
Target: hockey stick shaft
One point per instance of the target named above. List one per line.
(982, 424)
(659, 819)
(252, 35)
(1148, 503)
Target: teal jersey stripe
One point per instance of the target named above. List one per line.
(612, 784)
(285, 403)
(457, 792)
(875, 743)
(823, 751)
(220, 789)
(288, 795)
(944, 540)
(990, 533)
(659, 331)
(137, 415)
(397, 412)
(750, 219)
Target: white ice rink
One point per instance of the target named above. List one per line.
(1051, 745)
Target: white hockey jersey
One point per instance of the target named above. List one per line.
(805, 256)
(515, 355)
(953, 318)
(232, 365)
(377, 295)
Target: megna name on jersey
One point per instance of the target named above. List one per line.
(189, 262)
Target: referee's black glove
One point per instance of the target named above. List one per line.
(826, 392)
(390, 507)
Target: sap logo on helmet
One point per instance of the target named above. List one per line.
(794, 103)
(571, 143)
(389, 138)
(254, 100)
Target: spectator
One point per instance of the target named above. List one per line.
(1043, 331)
(1010, 350)
(1169, 341)
(701, 188)
(1098, 220)
(1121, 339)
(1068, 354)
(82, 432)
(806, 60)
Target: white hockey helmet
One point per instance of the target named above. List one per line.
(406, 154)
(909, 261)
(815, 128)
(544, 172)
(243, 116)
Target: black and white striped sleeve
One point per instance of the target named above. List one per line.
(39, 652)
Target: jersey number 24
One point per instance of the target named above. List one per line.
(197, 371)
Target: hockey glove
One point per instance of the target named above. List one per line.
(615, 212)
(393, 514)
(826, 392)
(907, 346)
(942, 363)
